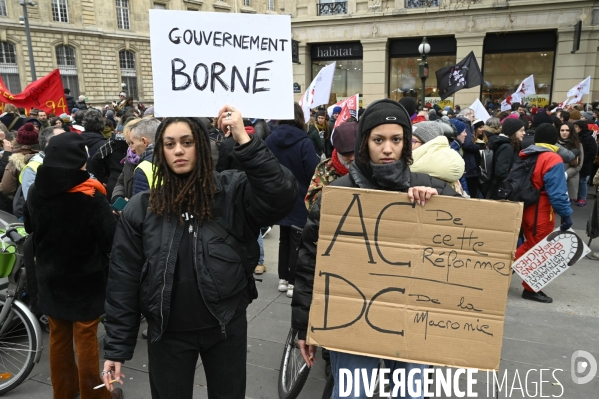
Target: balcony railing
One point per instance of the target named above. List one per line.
(422, 3)
(336, 8)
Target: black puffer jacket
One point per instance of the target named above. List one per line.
(306, 262)
(589, 148)
(503, 159)
(93, 141)
(142, 262)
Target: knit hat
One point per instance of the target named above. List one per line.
(74, 110)
(344, 139)
(26, 135)
(66, 150)
(447, 108)
(546, 133)
(510, 126)
(587, 115)
(337, 110)
(575, 115)
(528, 118)
(459, 125)
(149, 111)
(383, 112)
(540, 117)
(476, 124)
(65, 118)
(110, 113)
(81, 98)
(427, 131)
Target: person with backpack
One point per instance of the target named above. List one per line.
(181, 254)
(505, 147)
(589, 147)
(547, 181)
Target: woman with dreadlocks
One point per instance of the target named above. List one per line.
(184, 254)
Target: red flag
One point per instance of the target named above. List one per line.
(45, 94)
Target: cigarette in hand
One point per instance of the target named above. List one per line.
(103, 385)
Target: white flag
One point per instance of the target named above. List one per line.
(526, 88)
(580, 89)
(319, 91)
(479, 111)
(506, 105)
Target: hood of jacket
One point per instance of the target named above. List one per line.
(19, 160)
(437, 159)
(287, 135)
(536, 149)
(496, 141)
(92, 138)
(51, 181)
(148, 153)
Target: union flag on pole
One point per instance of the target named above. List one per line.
(46, 94)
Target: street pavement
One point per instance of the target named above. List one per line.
(537, 336)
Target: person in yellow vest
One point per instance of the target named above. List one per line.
(141, 142)
(27, 176)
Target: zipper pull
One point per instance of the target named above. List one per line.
(223, 330)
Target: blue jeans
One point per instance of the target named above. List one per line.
(261, 243)
(348, 361)
(583, 187)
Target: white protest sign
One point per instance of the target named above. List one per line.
(544, 262)
(204, 60)
(479, 111)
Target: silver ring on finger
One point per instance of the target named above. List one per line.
(105, 372)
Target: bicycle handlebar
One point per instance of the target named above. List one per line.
(14, 235)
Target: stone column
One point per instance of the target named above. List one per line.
(571, 69)
(467, 42)
(302, 72)
(375, 74)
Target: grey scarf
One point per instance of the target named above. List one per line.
(392, 177)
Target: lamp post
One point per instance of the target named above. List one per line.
(28, 34)
(424, 48)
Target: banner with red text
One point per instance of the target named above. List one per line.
(45, 94)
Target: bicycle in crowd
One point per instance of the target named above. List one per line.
(21, 342)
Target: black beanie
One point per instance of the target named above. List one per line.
(510, 126)
(384, 112)
(546, 133)
(67, 150)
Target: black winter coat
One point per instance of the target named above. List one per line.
(93, 141)
(471, 151)
(295, 151)
(70, 102)
(589, 146)
(73, 235)
(108, 167)
(226, 156)
(142, 262)
(503, 159)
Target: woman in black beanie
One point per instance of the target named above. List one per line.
(506, 147)
(383, 156)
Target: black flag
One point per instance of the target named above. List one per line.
(463, 75)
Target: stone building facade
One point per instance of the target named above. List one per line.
(99, 46)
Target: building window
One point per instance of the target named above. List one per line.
(8, 67)
(247, 3)
(271, 5)
(347, 79)
(332, 8)
(503, 73)
(159, 6)
(122, 14)
(422, 3)
(3, 11)
(59, 11)
(67, 64)
(128, 73)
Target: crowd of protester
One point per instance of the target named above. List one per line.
(201, 194)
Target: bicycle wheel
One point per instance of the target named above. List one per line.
(327, 393)
(292, 374)
(17, 350)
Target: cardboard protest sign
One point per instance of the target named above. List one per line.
(420, 284)
(552, 256)
(204, 60)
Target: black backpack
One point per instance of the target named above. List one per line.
(485, 170)
(518, 185)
